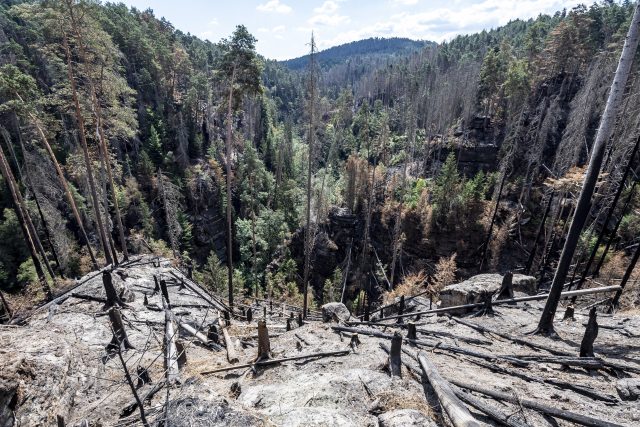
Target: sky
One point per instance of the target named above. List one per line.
(283, 27)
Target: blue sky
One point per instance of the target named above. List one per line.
(283, 27)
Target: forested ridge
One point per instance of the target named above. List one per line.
(122, 135)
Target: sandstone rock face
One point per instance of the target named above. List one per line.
(472, 290)
(335, 311)
(405, 418)
(628, 388)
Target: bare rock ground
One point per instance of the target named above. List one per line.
(55, 364)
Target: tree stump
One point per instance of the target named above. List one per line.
(249, 315)
(264, 346)
(487, 308)
(156, 288)
(182, 354)
(411, 331)
(355, 342)
(590, 335)
(289, 324)
(300, 321)
(401, 310)
(143, 377)
(120, 338)
(395, 355)
(227, 318)
(506, 288)
(212, 333)
(264, 312)
(165, 292)
(569, 313)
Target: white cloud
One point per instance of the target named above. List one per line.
(444, 23)
(326, 15)
(327, 7)
(278, 29)
(274, 6)
(213, 22)
(405, 2)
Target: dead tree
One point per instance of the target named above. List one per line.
(607, 219)
(120, 338)
(506, 288)
(485, 245)
(127, 375)
(264, 346)
(455, 409)
(614, 232)
(532, 253)
(112, 296)
(170, 348)
(395, 355)
(607, 122)
(308, 239)
(627, 275)
(590, 335)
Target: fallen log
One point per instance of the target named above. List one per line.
(170, 349)
(540, 407)
(470, 340)
(89, 298)
(132, 406)
(193, 332)
(553, 350)
(228, 343)
(455, 409)
(436, 345)
(491, 412)
(276, 361)
(507, 301)
(585, 391)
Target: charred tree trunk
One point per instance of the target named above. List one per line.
(485, 245)
(610, 212)
(625, 278)
(590, 335)
(545, 325)
(532, 254)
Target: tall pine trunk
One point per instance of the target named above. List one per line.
(308, 234)
(87, 159)
(607, 123)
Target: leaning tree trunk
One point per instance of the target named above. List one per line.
(22, 214)
(532, 254)
(612, 208)
(545, 326)
(85, 151)
(626, 277)
(614, 232)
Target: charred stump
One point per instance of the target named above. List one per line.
(590, 335)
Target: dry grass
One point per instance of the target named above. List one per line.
(389, 400)
(446, 269)
(498, 241)
(412, 284)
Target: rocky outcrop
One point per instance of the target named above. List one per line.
(628, 388)
(405, 418)
(475, 288)
(335, 311)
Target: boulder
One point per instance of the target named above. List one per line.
(628, 388)
(471, 291)
(335, 311)
(405, 418)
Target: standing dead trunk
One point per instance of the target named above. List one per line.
(87, 159)
(22, 219)
(120, 338)
(308, 232)
(545, 326)
(614, 232)
(485, 245)
(264, 346)
(590, 335)
(625, 278)
(610, 212)
(395, 355)
(532, 254)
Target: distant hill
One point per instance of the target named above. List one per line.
(374, 46)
